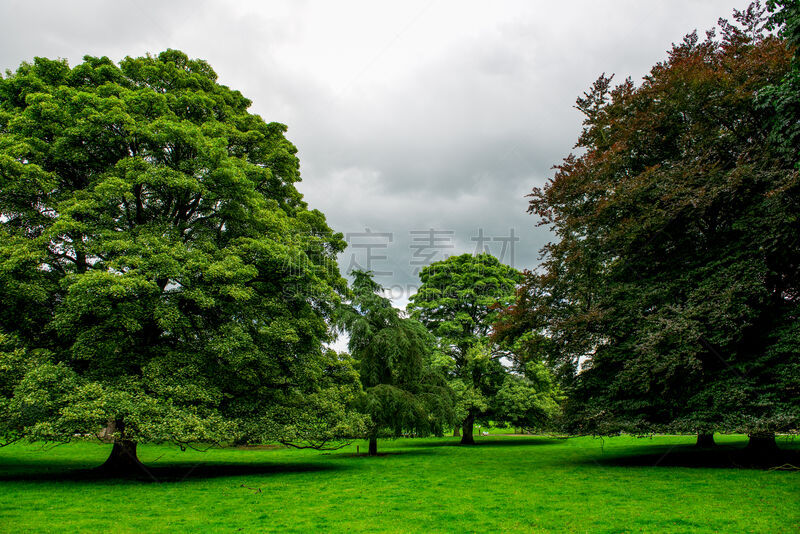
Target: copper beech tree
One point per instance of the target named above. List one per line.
(670, 298)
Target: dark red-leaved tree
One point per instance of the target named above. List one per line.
(670, 298)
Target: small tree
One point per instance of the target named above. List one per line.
(402, 390)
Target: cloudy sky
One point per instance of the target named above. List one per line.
(424, 122)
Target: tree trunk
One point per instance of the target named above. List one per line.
(456, 432)
(762, 443)
(762, 449)
(373, 446)
(705, 440)
(123, 459)
(466, 430)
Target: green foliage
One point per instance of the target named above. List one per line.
(781, 101)
(530, 400)
(785, 14)
(158, 267)
(459, 300)
(670, 299)
(404, 392)
(476, 382)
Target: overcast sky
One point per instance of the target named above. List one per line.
(408, 116)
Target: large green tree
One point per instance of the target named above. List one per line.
(403, 391)
(670, 299)
(458, 301)
(160, 274)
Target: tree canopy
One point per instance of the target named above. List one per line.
(159, 271)
(670, 299)
(458, 298)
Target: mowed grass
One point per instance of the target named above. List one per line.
(523, 484)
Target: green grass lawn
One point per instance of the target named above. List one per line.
(524, 484)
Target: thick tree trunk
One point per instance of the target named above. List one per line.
(456, 432)
(762, 443)
(762, 450)
(373, 446)
(705, 440)
(466, 430)
(123, 459)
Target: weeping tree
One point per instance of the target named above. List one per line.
(162, 278)
(403, 392)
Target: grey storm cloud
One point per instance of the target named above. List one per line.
(408, 117)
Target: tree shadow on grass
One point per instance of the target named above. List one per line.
(390, 452)
(164, 473)
(496, 442)
(719, 456)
